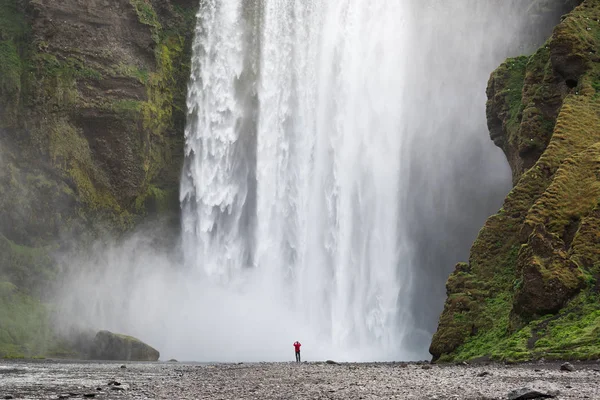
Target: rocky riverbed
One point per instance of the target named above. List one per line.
(54, 380)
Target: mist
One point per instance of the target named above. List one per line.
(338, 166)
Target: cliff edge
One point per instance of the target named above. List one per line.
(530, 288)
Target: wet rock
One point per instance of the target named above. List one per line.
(8, 396)
(482, 374)
(123, 366)
(89, 395)
(112, 346)
(567, 367)
(331, 362)
(117, 388)
(173, 360)
(529, 394)
(426, 366)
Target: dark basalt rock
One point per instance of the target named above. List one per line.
(528, 394)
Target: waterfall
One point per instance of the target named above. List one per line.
(325, 139)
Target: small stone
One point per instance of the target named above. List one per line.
(482, 374)
(123, 366)
(89, 395)
(403, 365)
(120, 388)
(8, 396)
(567, 367)
(331, 362)
(64, 396)
(426, 366)
(115, 383)
(173, 360)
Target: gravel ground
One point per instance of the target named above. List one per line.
(54, 380)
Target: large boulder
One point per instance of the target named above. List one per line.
(112, 346)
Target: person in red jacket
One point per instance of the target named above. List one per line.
(297, 348)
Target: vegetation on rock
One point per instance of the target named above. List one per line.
(530, 289)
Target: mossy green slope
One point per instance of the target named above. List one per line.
(530, 289)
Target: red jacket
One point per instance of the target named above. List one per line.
(297, 346)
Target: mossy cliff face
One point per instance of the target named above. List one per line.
(531, 286)
(93, 101)
(92, 113)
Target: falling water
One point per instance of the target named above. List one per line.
(323, 137)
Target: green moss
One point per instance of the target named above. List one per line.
(147, 15)
(493, 341)
(132, 71)
(572, 334)
(129, 108)
(71, 153)
(513, 89)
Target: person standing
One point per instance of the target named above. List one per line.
(297, 348)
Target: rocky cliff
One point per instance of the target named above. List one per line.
(92, 113)
(530, 288)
